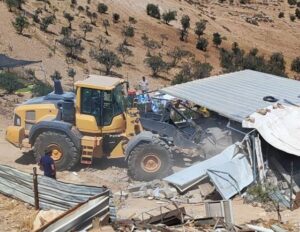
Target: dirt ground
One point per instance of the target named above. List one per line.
(113, 174)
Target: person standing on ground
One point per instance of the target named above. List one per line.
(47, 164)
(144, 85)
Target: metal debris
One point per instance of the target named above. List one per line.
(80, 216)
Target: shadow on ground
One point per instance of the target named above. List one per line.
(26, 158)
(103, 164)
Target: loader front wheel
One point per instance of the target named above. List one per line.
(149, 161)
(63, 151)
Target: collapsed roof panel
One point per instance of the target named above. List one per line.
(237, 95)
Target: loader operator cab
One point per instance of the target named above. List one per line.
(104, 105)
(101, 104)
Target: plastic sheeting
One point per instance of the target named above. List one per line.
(53, 194)
(280, 127)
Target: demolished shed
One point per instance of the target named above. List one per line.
(263, 107)
(237, 95)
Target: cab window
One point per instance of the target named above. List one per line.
(91, 105)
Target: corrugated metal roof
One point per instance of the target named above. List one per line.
(237, 95)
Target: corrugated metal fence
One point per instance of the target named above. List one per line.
(53, 194)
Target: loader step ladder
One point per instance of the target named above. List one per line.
(87, 155)
(88, 145)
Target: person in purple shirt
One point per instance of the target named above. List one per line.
(47, 164)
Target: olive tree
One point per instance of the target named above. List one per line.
(217, 39)
(69, 18)
(200, 28)
(124, 51)
(156, 64)
(202, 44)
(46, 21)
(106, 58)
(153, 11)
(72, 45)
(169, 16)
(296, 65)
(128, 32)
(185, 23)
(102, 8)
(85, 27)
(177, 54)
(20, 23)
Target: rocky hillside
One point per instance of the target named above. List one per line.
(254, 24)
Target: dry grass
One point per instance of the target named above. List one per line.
(26, 222)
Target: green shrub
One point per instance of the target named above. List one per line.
(292, 18)
(41, 89)
(106, 58)
(102, 8)
(10, 82)
(297, 13)
(217, 39)
(20, 23)
(244, 1)
(292, 2)
(128, 31)
(156, 64)
(192, 71)
(45, 22)
(153, 11)
(281, 15)
(11, 4)
(169, 16)
(200, 27)
(116, 17)
(185, 24)
(296, 65)
(202, 44)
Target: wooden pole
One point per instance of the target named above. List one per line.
(35, 190)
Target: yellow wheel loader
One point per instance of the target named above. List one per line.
(93, 123)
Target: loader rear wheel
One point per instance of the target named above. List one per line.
(148, 161)
(63, 150)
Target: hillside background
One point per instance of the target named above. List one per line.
(272, 34)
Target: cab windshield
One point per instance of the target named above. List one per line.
(119, 98)
(114, 103)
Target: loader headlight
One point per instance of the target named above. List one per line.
(17, 120)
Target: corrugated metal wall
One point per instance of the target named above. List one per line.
(53, 194)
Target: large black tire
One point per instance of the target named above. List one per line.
(145, 153)
(70, 154)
